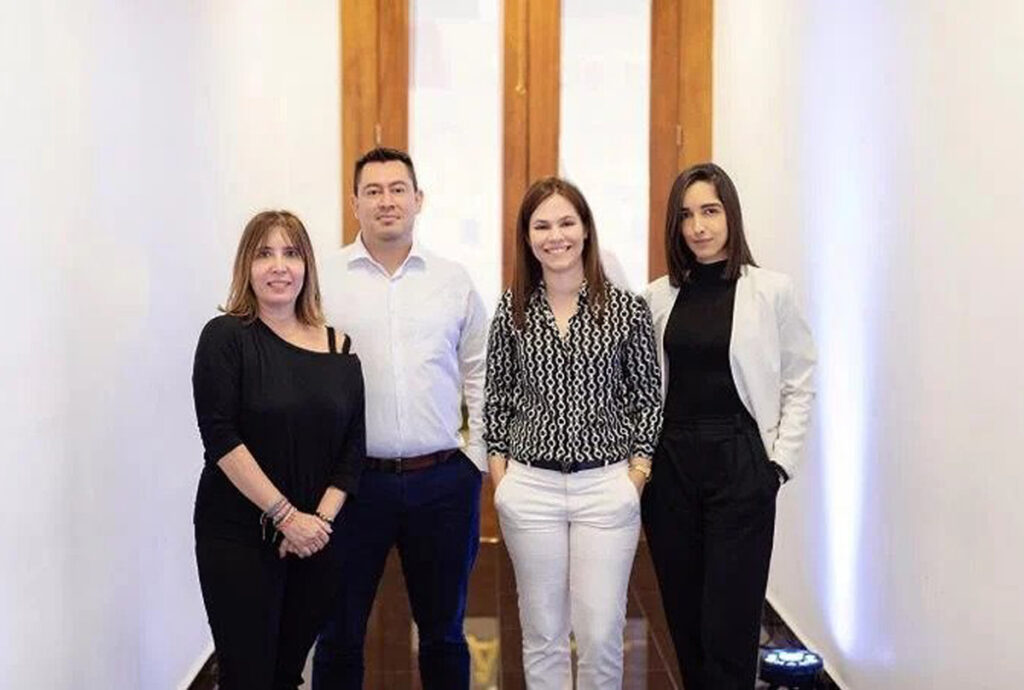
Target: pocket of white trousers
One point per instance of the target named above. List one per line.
(633, 491)
(498, 490)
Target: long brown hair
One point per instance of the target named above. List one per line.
(680, 257)
(527, 271)
(242, 300)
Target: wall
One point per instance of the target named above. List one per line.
(603, 139)
(455, 113)
(876, 149)
(135, 141)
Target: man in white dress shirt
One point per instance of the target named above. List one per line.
(420, 330)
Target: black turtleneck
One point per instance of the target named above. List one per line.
(697, 337)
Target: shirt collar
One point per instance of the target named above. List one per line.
(542, 291)
(361, 254)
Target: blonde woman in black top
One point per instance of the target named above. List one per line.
(571, 420)
(279, 400)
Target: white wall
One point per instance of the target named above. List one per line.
(605, 122)
(135, 141)
(877, 148)
(455, 134)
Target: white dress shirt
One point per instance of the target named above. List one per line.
(421, 335)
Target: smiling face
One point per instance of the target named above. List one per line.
(278, 271)
(386, 202)
(557, 236)
(704, 225)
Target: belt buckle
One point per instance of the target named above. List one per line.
(390, 465)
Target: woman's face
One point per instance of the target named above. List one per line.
(557, 236)
(278, 271)
(705, 227)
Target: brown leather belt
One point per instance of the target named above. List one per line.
(413, 464)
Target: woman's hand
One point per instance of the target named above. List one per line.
(304, 535)
(639, 480)
(639, 472)
(497, 464)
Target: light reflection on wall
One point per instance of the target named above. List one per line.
(841, 126)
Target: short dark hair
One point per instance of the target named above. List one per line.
(527, 271)
(383, 154)
(680, 258)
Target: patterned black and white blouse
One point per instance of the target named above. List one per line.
(592, 397)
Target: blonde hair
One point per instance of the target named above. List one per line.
(242, 300)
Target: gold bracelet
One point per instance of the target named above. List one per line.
(643, 469)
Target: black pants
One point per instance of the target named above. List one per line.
(709, 517)
(433, 517)
(264, 611)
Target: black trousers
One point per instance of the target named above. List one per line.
(264, 611)
(709, 517)
(433, 517)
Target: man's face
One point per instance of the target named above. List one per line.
(386, 203)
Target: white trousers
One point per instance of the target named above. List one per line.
(572, 538)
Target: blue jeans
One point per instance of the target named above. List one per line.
(433, 517)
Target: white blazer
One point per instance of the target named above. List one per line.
(771, 354)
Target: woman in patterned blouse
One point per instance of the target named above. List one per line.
(573, 400)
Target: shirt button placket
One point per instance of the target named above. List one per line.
(395, 341)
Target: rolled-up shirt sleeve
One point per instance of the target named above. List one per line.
(472, 366)
(216, 388)
(500, 380)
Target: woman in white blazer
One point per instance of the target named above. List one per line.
(737, 360)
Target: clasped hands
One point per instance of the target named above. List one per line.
(304, 535)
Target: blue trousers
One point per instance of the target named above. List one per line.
(433, 517)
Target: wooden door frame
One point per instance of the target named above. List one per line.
(374, 86)
(681, 105)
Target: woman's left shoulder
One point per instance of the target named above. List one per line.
(765, 275)
(343, 343)
(767, 280)
(629, 306)
(774, 287)
(622, 297)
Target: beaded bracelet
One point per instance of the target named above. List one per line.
(286, 519)
(276, 508)
(273, 515)
(283, 520)
(329, 521)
